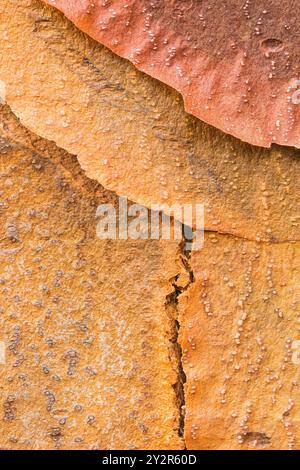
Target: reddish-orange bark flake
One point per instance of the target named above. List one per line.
(236, 63)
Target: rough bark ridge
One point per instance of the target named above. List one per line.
(181, 283)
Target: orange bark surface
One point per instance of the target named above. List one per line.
(240, 331)
(86, 353)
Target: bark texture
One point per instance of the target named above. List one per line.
(89, 352)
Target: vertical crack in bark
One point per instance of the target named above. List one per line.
(181, 282)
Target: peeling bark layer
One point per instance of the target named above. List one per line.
(236, 63)
(90, 326)
(86, 353)
(131, 133)
(241, 350)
